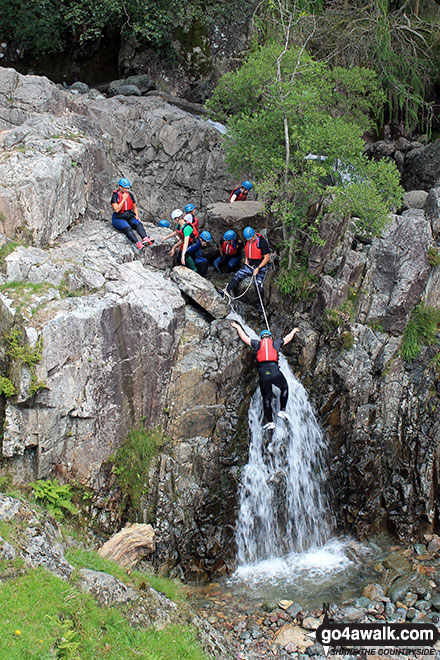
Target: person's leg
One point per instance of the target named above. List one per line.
(280, 382)
(233, 263)
(189, 262)
(266, 393)
(124, 227)
(138, 226)
(240, 275)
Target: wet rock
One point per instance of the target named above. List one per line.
(411, 613)
(422, 167)
(311, 623)
(362, 602)
(396, 562)
(373, 591)
(399, 589)
(422, 605)
(419, 548)
(436, 600)
(434, 544)
(293, 633)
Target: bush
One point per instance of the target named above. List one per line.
(55, 497)
(131, 464)
(422, 330)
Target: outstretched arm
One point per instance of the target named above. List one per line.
(290, 336)
(241, 333)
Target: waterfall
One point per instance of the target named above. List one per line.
(282, 507)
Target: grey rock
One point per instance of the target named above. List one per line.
(38, 549)
(7, 551)
(107, 590)
(142, 82)
(201, 291)
(399, 589)
(9, 507)
(415, 199)
(436, 600)
(122, 88)
(422, 167)
(80, 87)
(432, 210)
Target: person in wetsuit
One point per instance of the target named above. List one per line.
(267, 352)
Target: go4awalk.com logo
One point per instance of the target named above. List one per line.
(387, 639)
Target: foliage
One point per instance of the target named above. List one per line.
(56, 497)
(17, 350)
(132, 463)
(309, 120)
(391, 38)
(90, 559)
(42, 608)
(433, 257)
(422, 330)
(50, 26)
(6, 387)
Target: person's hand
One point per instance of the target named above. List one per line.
(294, 331)
(172, 251)
(125, 196)
(235, 325)
(182, 261)
(256, 270)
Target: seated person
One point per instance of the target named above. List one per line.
(230, 253)
(125, 216)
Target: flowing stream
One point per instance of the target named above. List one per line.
(282, 505)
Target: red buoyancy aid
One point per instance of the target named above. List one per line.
(267, 352)
(241, 196)
(252, 248)
(229, 248)
(128, 204)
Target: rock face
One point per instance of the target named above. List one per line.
(62, 155)
(100, 337)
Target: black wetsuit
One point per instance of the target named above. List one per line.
(270, 374)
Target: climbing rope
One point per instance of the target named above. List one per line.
(231, 299)
(261, 302)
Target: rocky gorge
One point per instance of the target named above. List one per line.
(120, 339)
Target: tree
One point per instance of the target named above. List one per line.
(295, 126)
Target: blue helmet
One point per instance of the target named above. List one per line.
(124, 183)
(229, 235)
(265, 333)
(206, 236)
(248, 232)
(164, 223)
(247, 184)
(189, 207)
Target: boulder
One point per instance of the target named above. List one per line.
(200, 291)
(130, 545)
(422, 167)
(415, 199)
(222, 216)
(292, 633)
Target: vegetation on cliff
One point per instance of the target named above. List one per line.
(296, 126)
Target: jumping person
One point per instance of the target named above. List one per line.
(240, 193)
(267, 352)
(257, 257)
(125, 216)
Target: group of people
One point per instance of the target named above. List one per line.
(194, 249)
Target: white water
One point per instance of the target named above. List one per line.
(283, 510)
